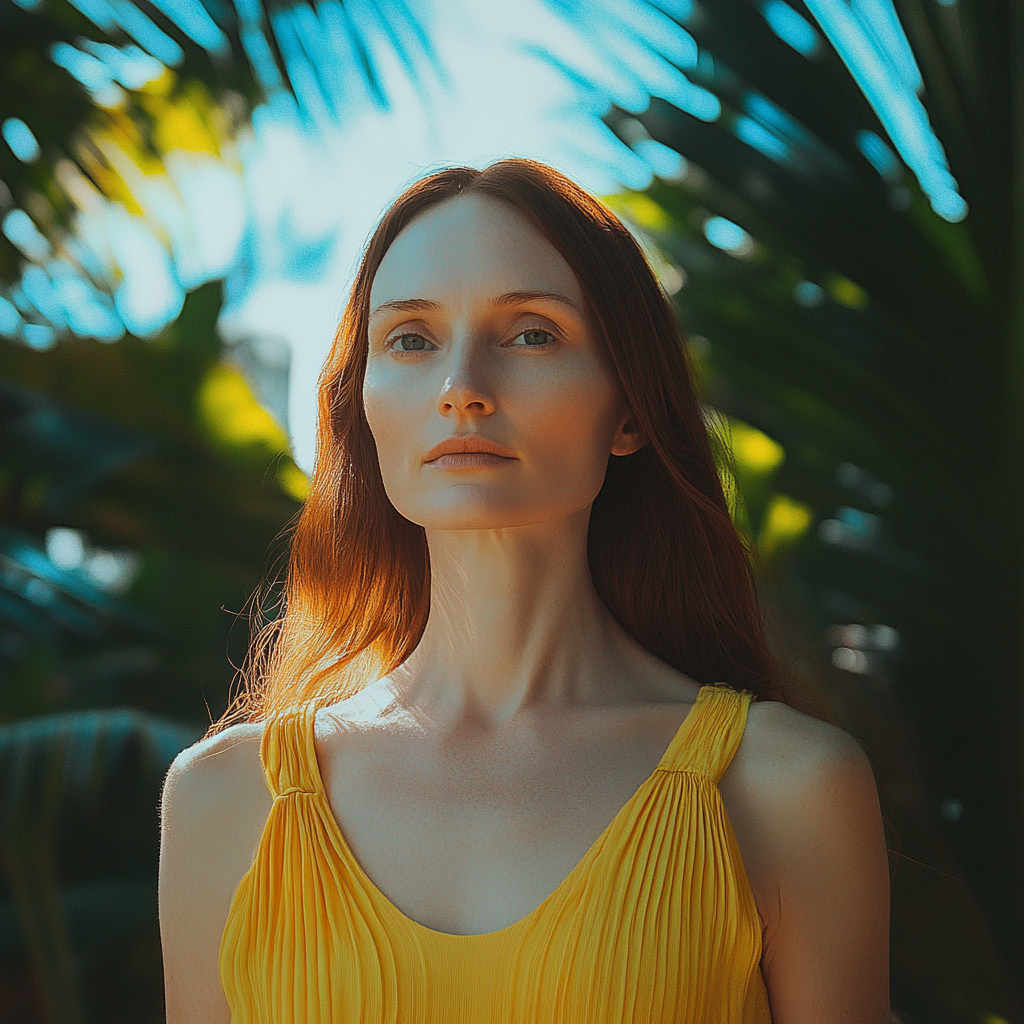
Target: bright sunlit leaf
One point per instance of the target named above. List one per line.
(641, 210)
(785, 521)
(753, 450)
(293, 481)
(233, 416)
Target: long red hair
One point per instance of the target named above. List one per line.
(663, 551)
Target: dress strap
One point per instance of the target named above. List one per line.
(708, 738)
(287, 752)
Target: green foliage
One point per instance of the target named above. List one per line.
(880, 348)
(877, 470)
(115, 441)
(57, 767)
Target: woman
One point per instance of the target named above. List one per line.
(512, 768)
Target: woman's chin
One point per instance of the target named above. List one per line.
(554, 521)
(484, 515)
(477, 520)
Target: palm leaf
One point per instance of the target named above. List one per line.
(97, 84)
(48, 765)
(882, 347)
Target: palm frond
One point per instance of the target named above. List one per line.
(880, 344)
(48, 765)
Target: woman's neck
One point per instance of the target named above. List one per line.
(514, 621)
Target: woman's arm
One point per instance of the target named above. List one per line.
(213, 810)
(804, 806)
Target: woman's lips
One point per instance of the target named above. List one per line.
(469, 460)
(468, 450)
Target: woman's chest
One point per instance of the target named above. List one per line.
(656, 923)
(472, 839)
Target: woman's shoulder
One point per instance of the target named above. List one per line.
(213, 810)
(802, 800)
(794, 774)
(218, 783)
(226, 758)
(781, 742)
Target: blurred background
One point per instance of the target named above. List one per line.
(831, 190)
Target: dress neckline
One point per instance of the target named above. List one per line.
(334, 829)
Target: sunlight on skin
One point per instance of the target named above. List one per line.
(457, 350)
(526, 375)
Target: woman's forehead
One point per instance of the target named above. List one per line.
(471, 247)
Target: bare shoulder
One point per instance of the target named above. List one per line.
(784, 750)
(215, 795)
(802, 799)
(219, 778)
(218, 759)
(214, 807)
(798, 790)
(801, 796)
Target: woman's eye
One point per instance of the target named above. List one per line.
(411, 343)
(535, 338)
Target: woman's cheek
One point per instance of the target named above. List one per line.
(571, 429)
(388, 416)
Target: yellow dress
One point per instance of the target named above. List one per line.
(655, 925)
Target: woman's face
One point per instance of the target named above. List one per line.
(478, 339)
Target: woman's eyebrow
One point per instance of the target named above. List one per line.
(407, 306)
(506, 299)
(516, 298)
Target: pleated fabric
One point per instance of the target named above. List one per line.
(655, 925)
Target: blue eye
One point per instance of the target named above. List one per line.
(411, 343)
(536, 338)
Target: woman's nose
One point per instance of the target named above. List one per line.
(466, 389)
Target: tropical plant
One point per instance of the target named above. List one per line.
(862, 332)
(100, 769)
(867, 340)
(154, 456)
